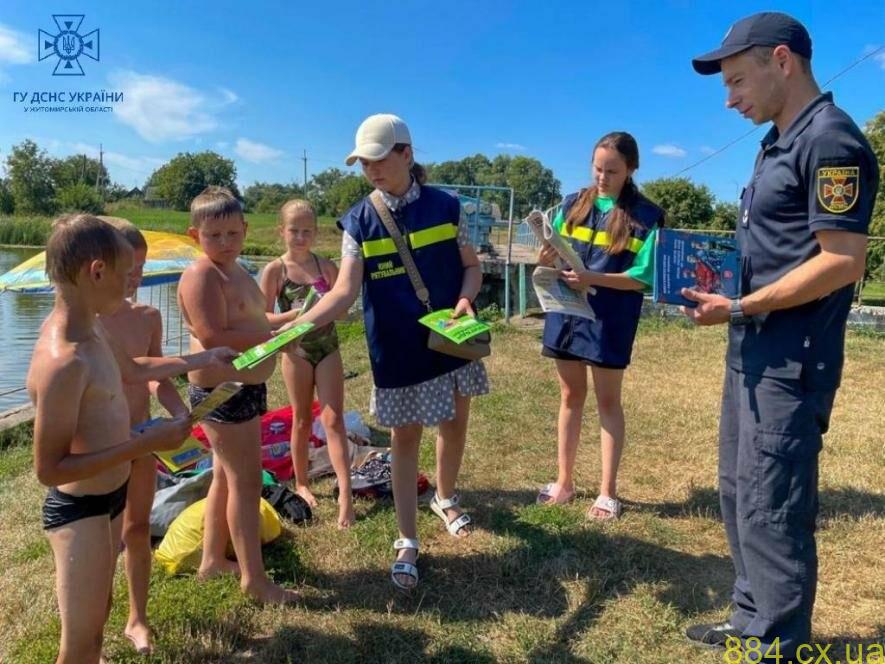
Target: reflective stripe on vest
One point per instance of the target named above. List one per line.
(418, 239)
(600, 239)
(380, 247)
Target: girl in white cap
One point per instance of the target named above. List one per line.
(414, 386)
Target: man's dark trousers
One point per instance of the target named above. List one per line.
(770, 435)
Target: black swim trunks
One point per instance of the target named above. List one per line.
(249, 402)
(60, 509)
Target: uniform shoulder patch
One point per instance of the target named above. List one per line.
(837, 187)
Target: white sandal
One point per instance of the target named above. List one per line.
(439, 507)
(606, 504)
(402, 567)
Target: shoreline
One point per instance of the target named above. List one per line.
(264, 257)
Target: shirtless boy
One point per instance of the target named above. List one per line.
(138, 330)
(82, 441)
(222, 305)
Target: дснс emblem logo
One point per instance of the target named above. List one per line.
(68, 44)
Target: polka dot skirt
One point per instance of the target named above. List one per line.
(430, 402)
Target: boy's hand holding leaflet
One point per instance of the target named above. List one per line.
(162, 434)
(221, 357)
(172, 453)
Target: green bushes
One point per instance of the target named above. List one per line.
(79, 197)
(24, 231)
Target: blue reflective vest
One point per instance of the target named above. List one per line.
(609, 339)
(397, 342)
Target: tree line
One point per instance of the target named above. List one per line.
(37, 184)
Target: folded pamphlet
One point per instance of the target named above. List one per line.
(217, 396)
(258, 354)
(555, 296)
(189, 454)
(191, 450)
(458, 329)
(544, 231)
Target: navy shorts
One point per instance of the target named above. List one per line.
(60, 509)
(248, 403)
(547, 351)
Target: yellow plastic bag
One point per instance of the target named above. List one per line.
(182, 546)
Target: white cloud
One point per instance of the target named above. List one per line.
(256, 152)
(14, 50)
(161, 109)
(669, 150)
(509, 146)
(139, 166)
(879, 57)
(706, 149)
(229, 95)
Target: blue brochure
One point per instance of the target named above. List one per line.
(707, 263)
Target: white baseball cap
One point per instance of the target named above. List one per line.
(376, 137)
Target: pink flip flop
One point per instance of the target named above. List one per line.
(546, 497)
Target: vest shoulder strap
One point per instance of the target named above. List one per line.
(406, 256)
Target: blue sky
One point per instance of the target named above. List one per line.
(260, 83)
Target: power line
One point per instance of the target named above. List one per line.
(716, 152)
(854, 64)
(755, 129)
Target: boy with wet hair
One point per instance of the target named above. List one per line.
(222, 305)
(83, 447)
(138, 329)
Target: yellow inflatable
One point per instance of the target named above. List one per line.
(182, 546)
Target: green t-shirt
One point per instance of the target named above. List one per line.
(558, 221)
(643, 268)
(602, 203)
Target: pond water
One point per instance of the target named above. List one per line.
(21, 315)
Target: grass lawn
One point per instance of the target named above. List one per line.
(262, 237)
(532, 584)
(874, 293)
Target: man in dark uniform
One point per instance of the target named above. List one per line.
(802, 231)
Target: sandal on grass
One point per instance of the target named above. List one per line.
(439, 507)
(404, 568)
(546, 495)
(605, 504)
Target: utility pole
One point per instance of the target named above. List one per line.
(304, 159)
(98, 186)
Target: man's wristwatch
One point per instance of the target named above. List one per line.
(737, 315)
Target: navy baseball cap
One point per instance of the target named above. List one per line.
(764, 29)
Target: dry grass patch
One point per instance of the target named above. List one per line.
(532, 584)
